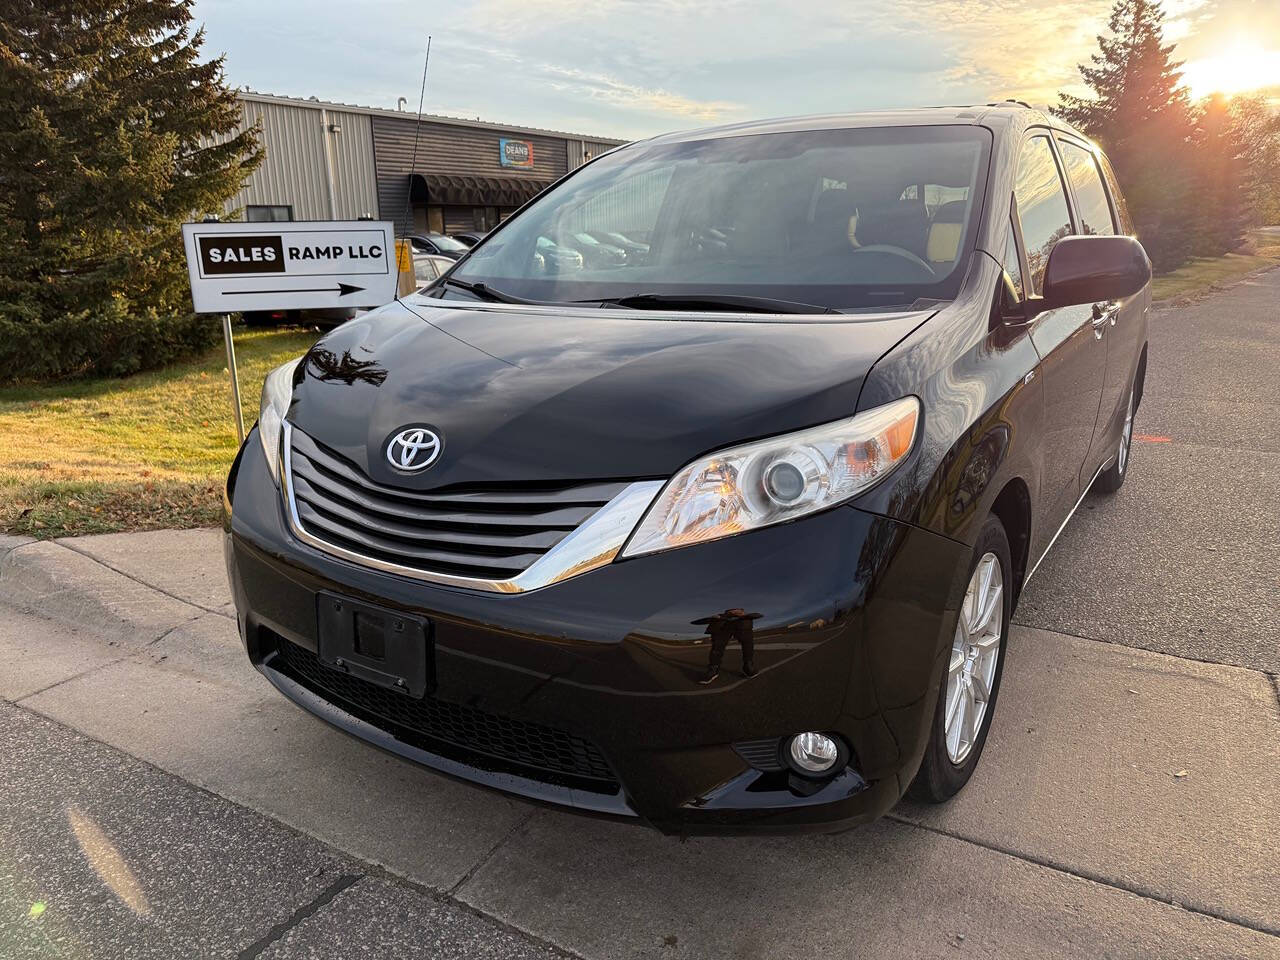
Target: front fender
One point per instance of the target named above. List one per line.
(983, 414)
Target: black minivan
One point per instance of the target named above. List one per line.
(724, 535)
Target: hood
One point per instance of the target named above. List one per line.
(538, 395)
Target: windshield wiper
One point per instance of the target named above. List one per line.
(714, 301)
(654, 301)
(485, 292)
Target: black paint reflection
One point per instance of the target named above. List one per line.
(327, 365)
(733, 624)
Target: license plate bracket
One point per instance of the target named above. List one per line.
(374, 643)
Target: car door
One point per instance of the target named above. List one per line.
(1073, 357)
(1119, 322)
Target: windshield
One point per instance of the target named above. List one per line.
(839, 219)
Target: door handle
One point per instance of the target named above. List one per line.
(1102, 314)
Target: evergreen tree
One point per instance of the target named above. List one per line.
(112, 133)
(1256, 129)
(1143, 119)
(1221, 202)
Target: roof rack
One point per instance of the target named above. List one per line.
(1010, 102)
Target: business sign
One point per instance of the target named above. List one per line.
(515, 153)
(306, 265)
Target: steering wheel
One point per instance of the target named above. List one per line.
(897, 252)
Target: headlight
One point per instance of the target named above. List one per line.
(277, 391)
(771, 481)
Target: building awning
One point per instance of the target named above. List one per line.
(465, 190)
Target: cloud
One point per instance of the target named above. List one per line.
(631, 68)
(614, 92)
(581, 84)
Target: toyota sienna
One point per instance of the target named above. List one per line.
(724, 533)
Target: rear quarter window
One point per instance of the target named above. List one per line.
(1113, 184)
(1086, 183)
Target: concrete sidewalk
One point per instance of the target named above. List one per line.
(1128, 804)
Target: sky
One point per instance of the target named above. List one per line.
(634, 68)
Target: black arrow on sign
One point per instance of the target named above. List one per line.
(342, 288)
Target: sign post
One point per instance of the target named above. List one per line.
(306, 265)
(235, 379)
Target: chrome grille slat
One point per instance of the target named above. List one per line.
(487, 534)
(480, 564)
(582, 494)
(597, 495)
(406, 524)
(565, 519)
(425, 536)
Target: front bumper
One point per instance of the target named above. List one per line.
(855, 616)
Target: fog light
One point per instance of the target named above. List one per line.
(813, 753)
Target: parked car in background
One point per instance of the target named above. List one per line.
(549, 257)
(470, 239)
(595, 253)
(634, 249)
(730, 538)
(438, 244)
(325, 319)
(429, 267)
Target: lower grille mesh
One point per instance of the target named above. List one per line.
(533, 750)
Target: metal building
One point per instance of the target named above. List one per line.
(338, 161)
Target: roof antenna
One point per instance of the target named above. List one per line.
(413, 163)
(408, 211)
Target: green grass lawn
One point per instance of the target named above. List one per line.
(1202, 274)
(135, 453)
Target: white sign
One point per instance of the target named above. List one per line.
(298, 265)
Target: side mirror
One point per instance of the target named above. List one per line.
(1092, 270)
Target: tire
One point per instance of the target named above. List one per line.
(946, 769)
(1112, 479)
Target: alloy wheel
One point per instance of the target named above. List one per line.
(1126, 436)
(975, 652)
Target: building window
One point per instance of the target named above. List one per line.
(261, 213)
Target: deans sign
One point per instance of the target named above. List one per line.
(304, 265)
(515, 153)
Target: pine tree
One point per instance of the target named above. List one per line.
(112, 133)
(1221, 201)
(1142, 117)
(1256, 129)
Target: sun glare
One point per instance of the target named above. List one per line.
(1241, 68)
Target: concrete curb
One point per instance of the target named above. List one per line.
(57, 583)
(8, 543)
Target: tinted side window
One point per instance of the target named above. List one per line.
(1042, 206)
(1013, 264)
(1086, 181)
(1122, 209)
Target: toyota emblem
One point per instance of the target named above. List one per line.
(414, 448)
